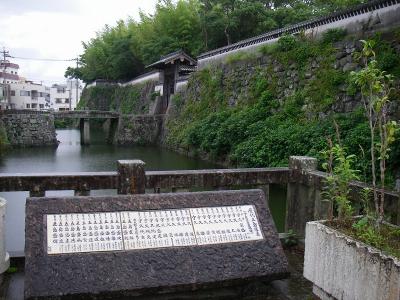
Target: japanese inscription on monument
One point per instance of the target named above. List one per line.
(131, 230)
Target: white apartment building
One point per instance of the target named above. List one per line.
(29, 95)
(65, 96)
(8, 72)
(18, 93)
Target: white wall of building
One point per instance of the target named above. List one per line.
(9, 72)
(64, 96)
(28, 95)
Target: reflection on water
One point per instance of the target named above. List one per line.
(70, 156)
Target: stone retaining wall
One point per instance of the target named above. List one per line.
(237, 78)
(29, 128)
(139, 130)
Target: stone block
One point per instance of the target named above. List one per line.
(303, 163)
(124, 273)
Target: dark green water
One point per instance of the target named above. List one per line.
(70, 156)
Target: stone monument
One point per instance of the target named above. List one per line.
(135, 245)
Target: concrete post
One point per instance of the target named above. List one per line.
(131, 177)
(300, 203)
(4, 256)
(85, 131)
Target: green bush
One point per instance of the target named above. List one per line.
(333, 35)
(286, 43)
(260, 129)
(115, 98)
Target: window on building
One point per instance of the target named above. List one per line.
(24, 93)
(58, 100)
(12, 72)
(60, 90)
(34, 105)
(12, 93)
(41, 105)
(28, 106)
(66, 100)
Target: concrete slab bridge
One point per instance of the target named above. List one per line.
(85, 115)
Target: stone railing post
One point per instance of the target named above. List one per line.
(300, 202)
(37, 191)
(131, 177)
(4, 257)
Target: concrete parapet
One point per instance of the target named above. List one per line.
(300, 204)
(343, 268)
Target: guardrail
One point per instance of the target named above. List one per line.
(83, 182)
(303, 203)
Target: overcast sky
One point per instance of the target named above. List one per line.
(55, 29)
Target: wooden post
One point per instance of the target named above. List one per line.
(131, 177)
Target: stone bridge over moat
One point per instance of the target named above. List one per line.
(84, 116)
(29, 128)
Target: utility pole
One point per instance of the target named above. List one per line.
(5, 55)
(77, 83)
(70, 94)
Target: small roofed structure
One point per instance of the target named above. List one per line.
(177, 57)
(173, 67)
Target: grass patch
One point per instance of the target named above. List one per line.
(385, 238)
(239, 56)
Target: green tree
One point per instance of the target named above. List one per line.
(120, 52)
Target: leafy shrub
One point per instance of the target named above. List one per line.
(333, 35)
(64, 123)
(154, 95)
(263, 130)
(286, 43)
(340, 170)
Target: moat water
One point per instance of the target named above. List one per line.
(70, 156)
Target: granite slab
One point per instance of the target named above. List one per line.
(150, 269)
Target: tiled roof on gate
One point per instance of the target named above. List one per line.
(171, 58)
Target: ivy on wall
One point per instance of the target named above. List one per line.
(127, 100)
